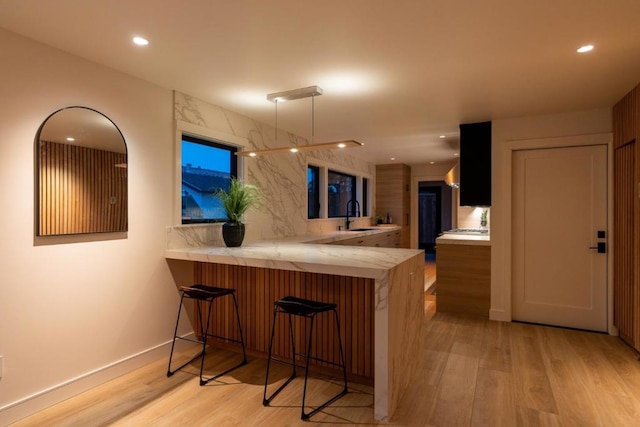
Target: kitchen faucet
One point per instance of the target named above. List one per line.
(355, 208)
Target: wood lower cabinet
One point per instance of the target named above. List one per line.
(393, 196)
(463, 279)
(388, 239)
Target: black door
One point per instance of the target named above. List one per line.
(429, 217)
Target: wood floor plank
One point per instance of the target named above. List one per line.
(454, 400)
(533, 389)
(494, 402)
(496, 350)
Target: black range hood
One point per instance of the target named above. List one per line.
(475, 164)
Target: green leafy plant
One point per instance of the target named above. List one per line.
(483, 216)
(239, 198)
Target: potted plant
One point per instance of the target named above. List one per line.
(237, 200)
(483, 218)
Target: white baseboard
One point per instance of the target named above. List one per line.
(499, 315)
(36, 402)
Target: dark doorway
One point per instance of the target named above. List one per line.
(434, 213)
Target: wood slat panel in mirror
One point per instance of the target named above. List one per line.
(81, 190)
(258, 288)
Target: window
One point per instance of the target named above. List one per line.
(341, 188)
(313, 188)
(206, 167)
(365, 196)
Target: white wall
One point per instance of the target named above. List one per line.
(77, 313)
(526, 132)
(72, 308)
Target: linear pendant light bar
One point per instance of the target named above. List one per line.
(300, 148)
(289, 95)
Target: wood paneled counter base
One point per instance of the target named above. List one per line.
(379, 293)
(463, 275)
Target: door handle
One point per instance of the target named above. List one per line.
(602, 247)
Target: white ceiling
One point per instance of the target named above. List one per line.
(396, 74)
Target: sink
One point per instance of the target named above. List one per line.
(361, 229)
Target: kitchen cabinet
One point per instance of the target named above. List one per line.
(475, 164)
(386, 239)
(393, 183)
(463, 275)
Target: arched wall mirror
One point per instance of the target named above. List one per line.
(81, 174)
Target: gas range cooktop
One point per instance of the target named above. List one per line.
(468, 231)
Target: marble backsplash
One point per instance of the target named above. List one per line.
(282, 178)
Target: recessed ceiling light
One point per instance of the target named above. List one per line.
(585, 48)
(443, 136)
(342, 145)
(432, 163)
(140, 41)
(70, 139)
(456, 154)
(293, 150)
(252, 154)
(393, 158)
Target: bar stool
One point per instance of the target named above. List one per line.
(205, 294)
(308, 309)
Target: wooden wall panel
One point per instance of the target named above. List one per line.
(626, 241)
(624, 290)
(75, 190)
(625, 118)
(258, 288)
(393, 184)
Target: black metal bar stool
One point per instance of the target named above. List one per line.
(206, 294)
(308, 309)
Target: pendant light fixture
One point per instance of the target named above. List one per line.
(290, 95)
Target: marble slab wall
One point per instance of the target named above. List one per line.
(281, 177)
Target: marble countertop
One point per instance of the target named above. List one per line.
(299, 254)
(336, 236)
(464, 239)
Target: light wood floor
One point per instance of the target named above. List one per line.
(476, 372)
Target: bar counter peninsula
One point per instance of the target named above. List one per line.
(379, 293)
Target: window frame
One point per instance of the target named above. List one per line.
(233, 170)
(365, 196)
(354, 192)
(365, 200)
(316, 192)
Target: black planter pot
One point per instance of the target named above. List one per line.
(233, 233)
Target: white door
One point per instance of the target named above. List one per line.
(559, 205)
